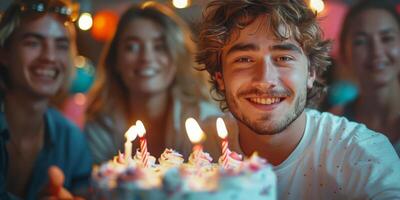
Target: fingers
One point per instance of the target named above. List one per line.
(56, 182)
(56, 176)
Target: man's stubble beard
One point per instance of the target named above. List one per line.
(270, 129)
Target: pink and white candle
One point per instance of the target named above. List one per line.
(143, 142)
(223, 133)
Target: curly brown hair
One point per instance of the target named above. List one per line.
(223, 17)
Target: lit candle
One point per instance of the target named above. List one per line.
(196, 135)
(130, 135)
(143, 143)
(223, 133)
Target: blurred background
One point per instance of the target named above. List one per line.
(98, 19)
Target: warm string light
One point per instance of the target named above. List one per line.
(80, 61)
(85, 21)
(317, 5)
(143, 143)
(180, 3)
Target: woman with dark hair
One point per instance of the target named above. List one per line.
(37, 44)
(370, 46)
(147, 73)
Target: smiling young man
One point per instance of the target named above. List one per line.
(37, 46)
(265, 59)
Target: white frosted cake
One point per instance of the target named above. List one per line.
(199, 178)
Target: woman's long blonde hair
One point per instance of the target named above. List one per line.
(109, 93)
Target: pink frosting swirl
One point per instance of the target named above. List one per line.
(234, 161)
(254, 163)
(138, 158)
(170, 158)
(200, 158)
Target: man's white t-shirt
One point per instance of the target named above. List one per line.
(337, 159)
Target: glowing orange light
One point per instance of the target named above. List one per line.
(104, 25)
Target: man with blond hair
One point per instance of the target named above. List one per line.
(36, 51)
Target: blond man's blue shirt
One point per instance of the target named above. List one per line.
(64, 146)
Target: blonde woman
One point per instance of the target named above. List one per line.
(146, 73)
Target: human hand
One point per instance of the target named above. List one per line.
(55, 189)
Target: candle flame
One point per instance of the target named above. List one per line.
(221, 128)
(140, 128)
(131, 134)
(194, 131)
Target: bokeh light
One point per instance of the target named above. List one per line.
(104, 25)
(85, 21)
(180, 3)
(317, 5)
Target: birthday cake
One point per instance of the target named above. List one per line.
(140, 177)
(251, 178)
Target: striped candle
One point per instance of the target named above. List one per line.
(143, 150)
(223, 133)
(225, 152)
(143, 143)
